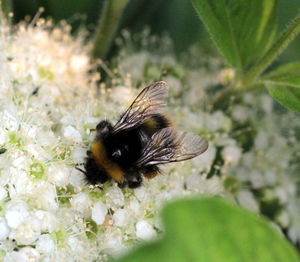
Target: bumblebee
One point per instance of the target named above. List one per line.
(142, 139)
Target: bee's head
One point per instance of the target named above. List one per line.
(104, 127)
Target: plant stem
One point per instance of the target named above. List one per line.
(109, 21)
(282, 42)
(6, 8)
(224, 96)
(246, 82)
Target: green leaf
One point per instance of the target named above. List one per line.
(241, 29)
(284, 85)
(211, 229)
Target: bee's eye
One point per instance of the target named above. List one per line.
(116, 154)
(103, 126)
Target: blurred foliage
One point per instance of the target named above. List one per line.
(194, 226)
(242, 30)
(176, 17)
(283, 84)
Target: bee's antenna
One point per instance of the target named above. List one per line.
(79, 169)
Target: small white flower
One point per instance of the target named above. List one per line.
(226, 76)
(79, 62)
(76, 245)
(120, 217)
(122, 95)
(77, 179)
(9, 122)
(267, 103)
(20, 162)
(29, 130)
(261, 140)
(27, 232)
(231, 154)
(14, 256)
(72, 134)
(283, 219)
(46, 138)
(212, 186)
(32, 255)
(218, 121)
(140, 193)
(193, 182)
(81, 203)
(44, 195)
(247, 200)
(282, 194)
(270, 176)
(144, 230)
(45, 244)
(4, 229)
(99, 211)
(257, 179)
(59, 175)
(78, 155)
(294, 233)
(16, 213)
(248, 159)
(240, 113)
(2, 135)
(204, 161)
(37, 152)
(174, 84)
(134, 205)
(115, 196)
(48, 220)
(3, 193)
(114, 243)
(135, 64)
(19, 182)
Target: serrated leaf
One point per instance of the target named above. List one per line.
(211, 229)
(241, 29)
(283, 85)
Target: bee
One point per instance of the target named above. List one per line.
(142, 139)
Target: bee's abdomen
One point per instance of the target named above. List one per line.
(155, 123)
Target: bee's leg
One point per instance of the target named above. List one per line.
(134, 179)
(89, 153)
(100, 187)
(81, 170)
(150, 171)
(122, 184)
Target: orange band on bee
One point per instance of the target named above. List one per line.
(100, 156)
(151, 123)
(151, 174)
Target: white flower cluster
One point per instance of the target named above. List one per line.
(49, 104)
(268, 172)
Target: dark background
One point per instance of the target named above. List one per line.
(176, 17)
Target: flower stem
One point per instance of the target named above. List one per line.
(222, 98)
(276, 49)
(6, 8)
(108, 24)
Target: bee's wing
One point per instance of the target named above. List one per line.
(168, 145)
(151, 100)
